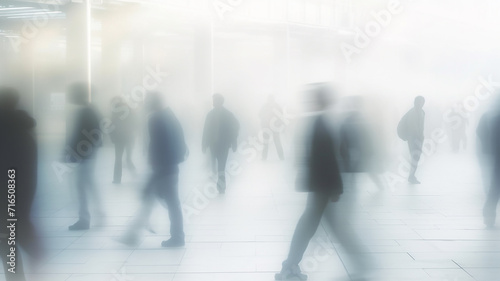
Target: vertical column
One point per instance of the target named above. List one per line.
(203, 60)
(78, 42)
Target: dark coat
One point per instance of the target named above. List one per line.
(167, 146)
(18, 151)
(321, 173)
(84, 135)
(221, 130)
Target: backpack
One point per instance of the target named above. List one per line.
(403, 128)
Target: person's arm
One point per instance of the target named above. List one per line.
(206, 133)
(236, 129)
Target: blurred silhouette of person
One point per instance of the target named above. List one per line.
(411, 130)
(167, 149)
(19, 160)
(489, 132)
(485, 149)
(322, 179)
(83, 139)
(220, 133)
(122, 135)
(459, 133)
(267, 117)
(360, 150)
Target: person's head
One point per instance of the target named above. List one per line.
(419, 102)
(153, 101)
(319, 97)
(9, 98)
(78, 94)
(218, 100)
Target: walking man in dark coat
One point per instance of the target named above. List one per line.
(220, 133)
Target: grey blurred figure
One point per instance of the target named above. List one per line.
(220, 133)
(322, 179)
(18, 161)
(267, 116)
(489, 133)
(167, 149)
(411, 130)
(360, 148)
(124, 122)
(83, 140)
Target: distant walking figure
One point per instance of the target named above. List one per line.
(411, 130)
(219, 134)
(167, 149)
(268, 115)
(321, 178)
(83, 139)
(18, 163)
(122, 135)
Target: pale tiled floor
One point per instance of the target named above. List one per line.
(429, 232)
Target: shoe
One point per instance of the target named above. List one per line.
(130, 240)
(79, 225)
(413, 180)
(489, 222)
(173, 243)
(290, 273)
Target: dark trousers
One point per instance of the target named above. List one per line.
(335, 218)
(219, 160)
(85, 185)
(163, 185)
(415, 147)
(120, 148)
(277, 143)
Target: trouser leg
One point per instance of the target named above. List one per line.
(119, 149)
(171, 197)
(306, 227)
(221, 169)
(82, 178)
(279, 147)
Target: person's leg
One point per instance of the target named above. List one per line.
(129, 147)
(117, 176)
(279, 147)
(415, 148)
(81, 177)
(338, 219)
(306, 226)
(265, 146)
(490, 206)
(170, 194)
(221, 169)
(141, 219)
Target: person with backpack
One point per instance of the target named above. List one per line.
(167, 149)
(411, 130)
